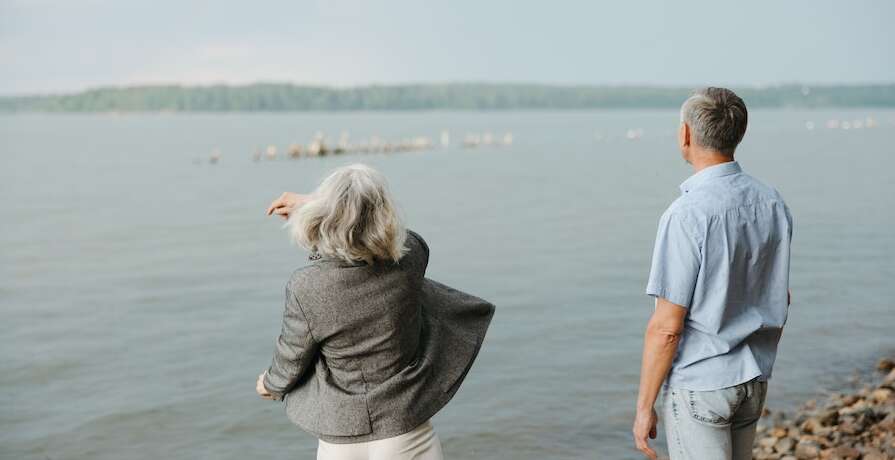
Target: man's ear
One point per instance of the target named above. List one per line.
(684, 137)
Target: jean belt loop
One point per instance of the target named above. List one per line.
(750, 385)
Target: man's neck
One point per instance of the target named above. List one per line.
(707, 159)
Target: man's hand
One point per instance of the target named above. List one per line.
(644, 430)
(259, 388)
(659, 347)
(286, 203)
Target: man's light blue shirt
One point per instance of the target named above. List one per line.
(722, 252)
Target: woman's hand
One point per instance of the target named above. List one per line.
(259, 387)
(286, 204)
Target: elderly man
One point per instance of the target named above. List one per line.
(720, 277)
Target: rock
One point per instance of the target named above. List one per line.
(852, 425)
(888, 423)
(885, 365)
(890, 379)
(846, 453)
(807, 450)
(762, 455)
(784, 445)
(767, 443)
(856, 408)
(855, 426)
(881, 395)
(829, 417)
(835, 437)
(810, 425)
(825, 441)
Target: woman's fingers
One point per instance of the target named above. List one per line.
(259, 387)
(286, 203)
(273, 205)
(276, 204)
(287, 200)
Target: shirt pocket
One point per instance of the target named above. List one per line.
(714, 407)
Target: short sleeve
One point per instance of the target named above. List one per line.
(788, 220)
(676, 261)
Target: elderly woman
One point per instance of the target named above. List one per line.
(370, 349)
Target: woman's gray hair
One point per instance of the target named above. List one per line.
(351, 216)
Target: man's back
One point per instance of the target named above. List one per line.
(722, 251)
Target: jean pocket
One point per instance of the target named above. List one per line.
(714, 407)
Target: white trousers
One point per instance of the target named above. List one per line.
(420, 444)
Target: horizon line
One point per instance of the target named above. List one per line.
(337, 87)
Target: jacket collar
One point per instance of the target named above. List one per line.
(317, 258)
(719, 170)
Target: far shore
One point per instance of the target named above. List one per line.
(462, 96)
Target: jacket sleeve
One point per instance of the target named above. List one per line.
(295, 350)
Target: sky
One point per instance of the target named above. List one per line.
(53, 46)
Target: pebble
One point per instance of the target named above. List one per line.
(890, 379)
(880, 395)
(807, 449)
(856, 426)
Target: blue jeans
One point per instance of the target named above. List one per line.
(713, 425)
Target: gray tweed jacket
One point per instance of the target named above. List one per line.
(372, 351)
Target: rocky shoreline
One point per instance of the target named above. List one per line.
(855, 426)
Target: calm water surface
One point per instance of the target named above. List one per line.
(141, 292)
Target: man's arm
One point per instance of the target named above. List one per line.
(663, 333)
(676, 265)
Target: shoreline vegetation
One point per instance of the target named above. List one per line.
(858, 425)
(284, 97)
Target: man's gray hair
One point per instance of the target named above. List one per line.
(717, 119)
(351, 216)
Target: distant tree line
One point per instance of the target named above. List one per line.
(274, 97)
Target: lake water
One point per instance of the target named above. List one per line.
(141, 291)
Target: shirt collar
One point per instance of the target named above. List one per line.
(719, 170)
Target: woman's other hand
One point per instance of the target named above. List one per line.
(259, 387)
(286, 203)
